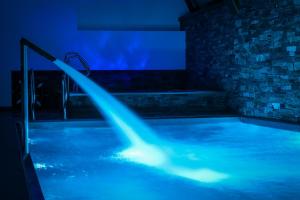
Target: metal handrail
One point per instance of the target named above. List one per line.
(24, 45)
(82, 60)
(66, 80)
(65, 94)
(32, 94)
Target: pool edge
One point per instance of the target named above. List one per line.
(33, 184)
(271, 123)
(171, 121)
(150, 121)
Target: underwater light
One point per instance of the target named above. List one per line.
(152, 156)
(144, 154)
(203, 175)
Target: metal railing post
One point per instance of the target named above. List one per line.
(24, 46)
(25, 109)
(64, 96)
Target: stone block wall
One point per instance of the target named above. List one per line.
(253, 55)
(158, 104)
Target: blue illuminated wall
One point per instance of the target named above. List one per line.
(53, 26)
(131, 14)
(116, 50)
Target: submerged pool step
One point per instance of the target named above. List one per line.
(191, 103)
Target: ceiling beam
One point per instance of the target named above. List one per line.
(191, 5)
(195, 5)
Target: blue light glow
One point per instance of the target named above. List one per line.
(149, 155)
(139, 137)
(85, 159)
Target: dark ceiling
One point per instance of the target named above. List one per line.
(195, 5)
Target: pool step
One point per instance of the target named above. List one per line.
(192, 103)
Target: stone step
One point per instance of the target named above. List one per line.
(191, 103)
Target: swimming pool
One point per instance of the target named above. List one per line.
(237, 160)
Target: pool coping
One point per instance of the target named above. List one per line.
(33, 184)
(151, 121)
(170, 121)
(158, 93)
(271, 123)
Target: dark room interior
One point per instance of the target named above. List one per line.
(150, 100)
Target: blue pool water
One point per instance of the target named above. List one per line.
(219, 159)
(143, 145)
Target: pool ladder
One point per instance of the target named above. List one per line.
(66, 80)
(65, 86)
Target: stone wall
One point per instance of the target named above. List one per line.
(158, 104)
(254, 55)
